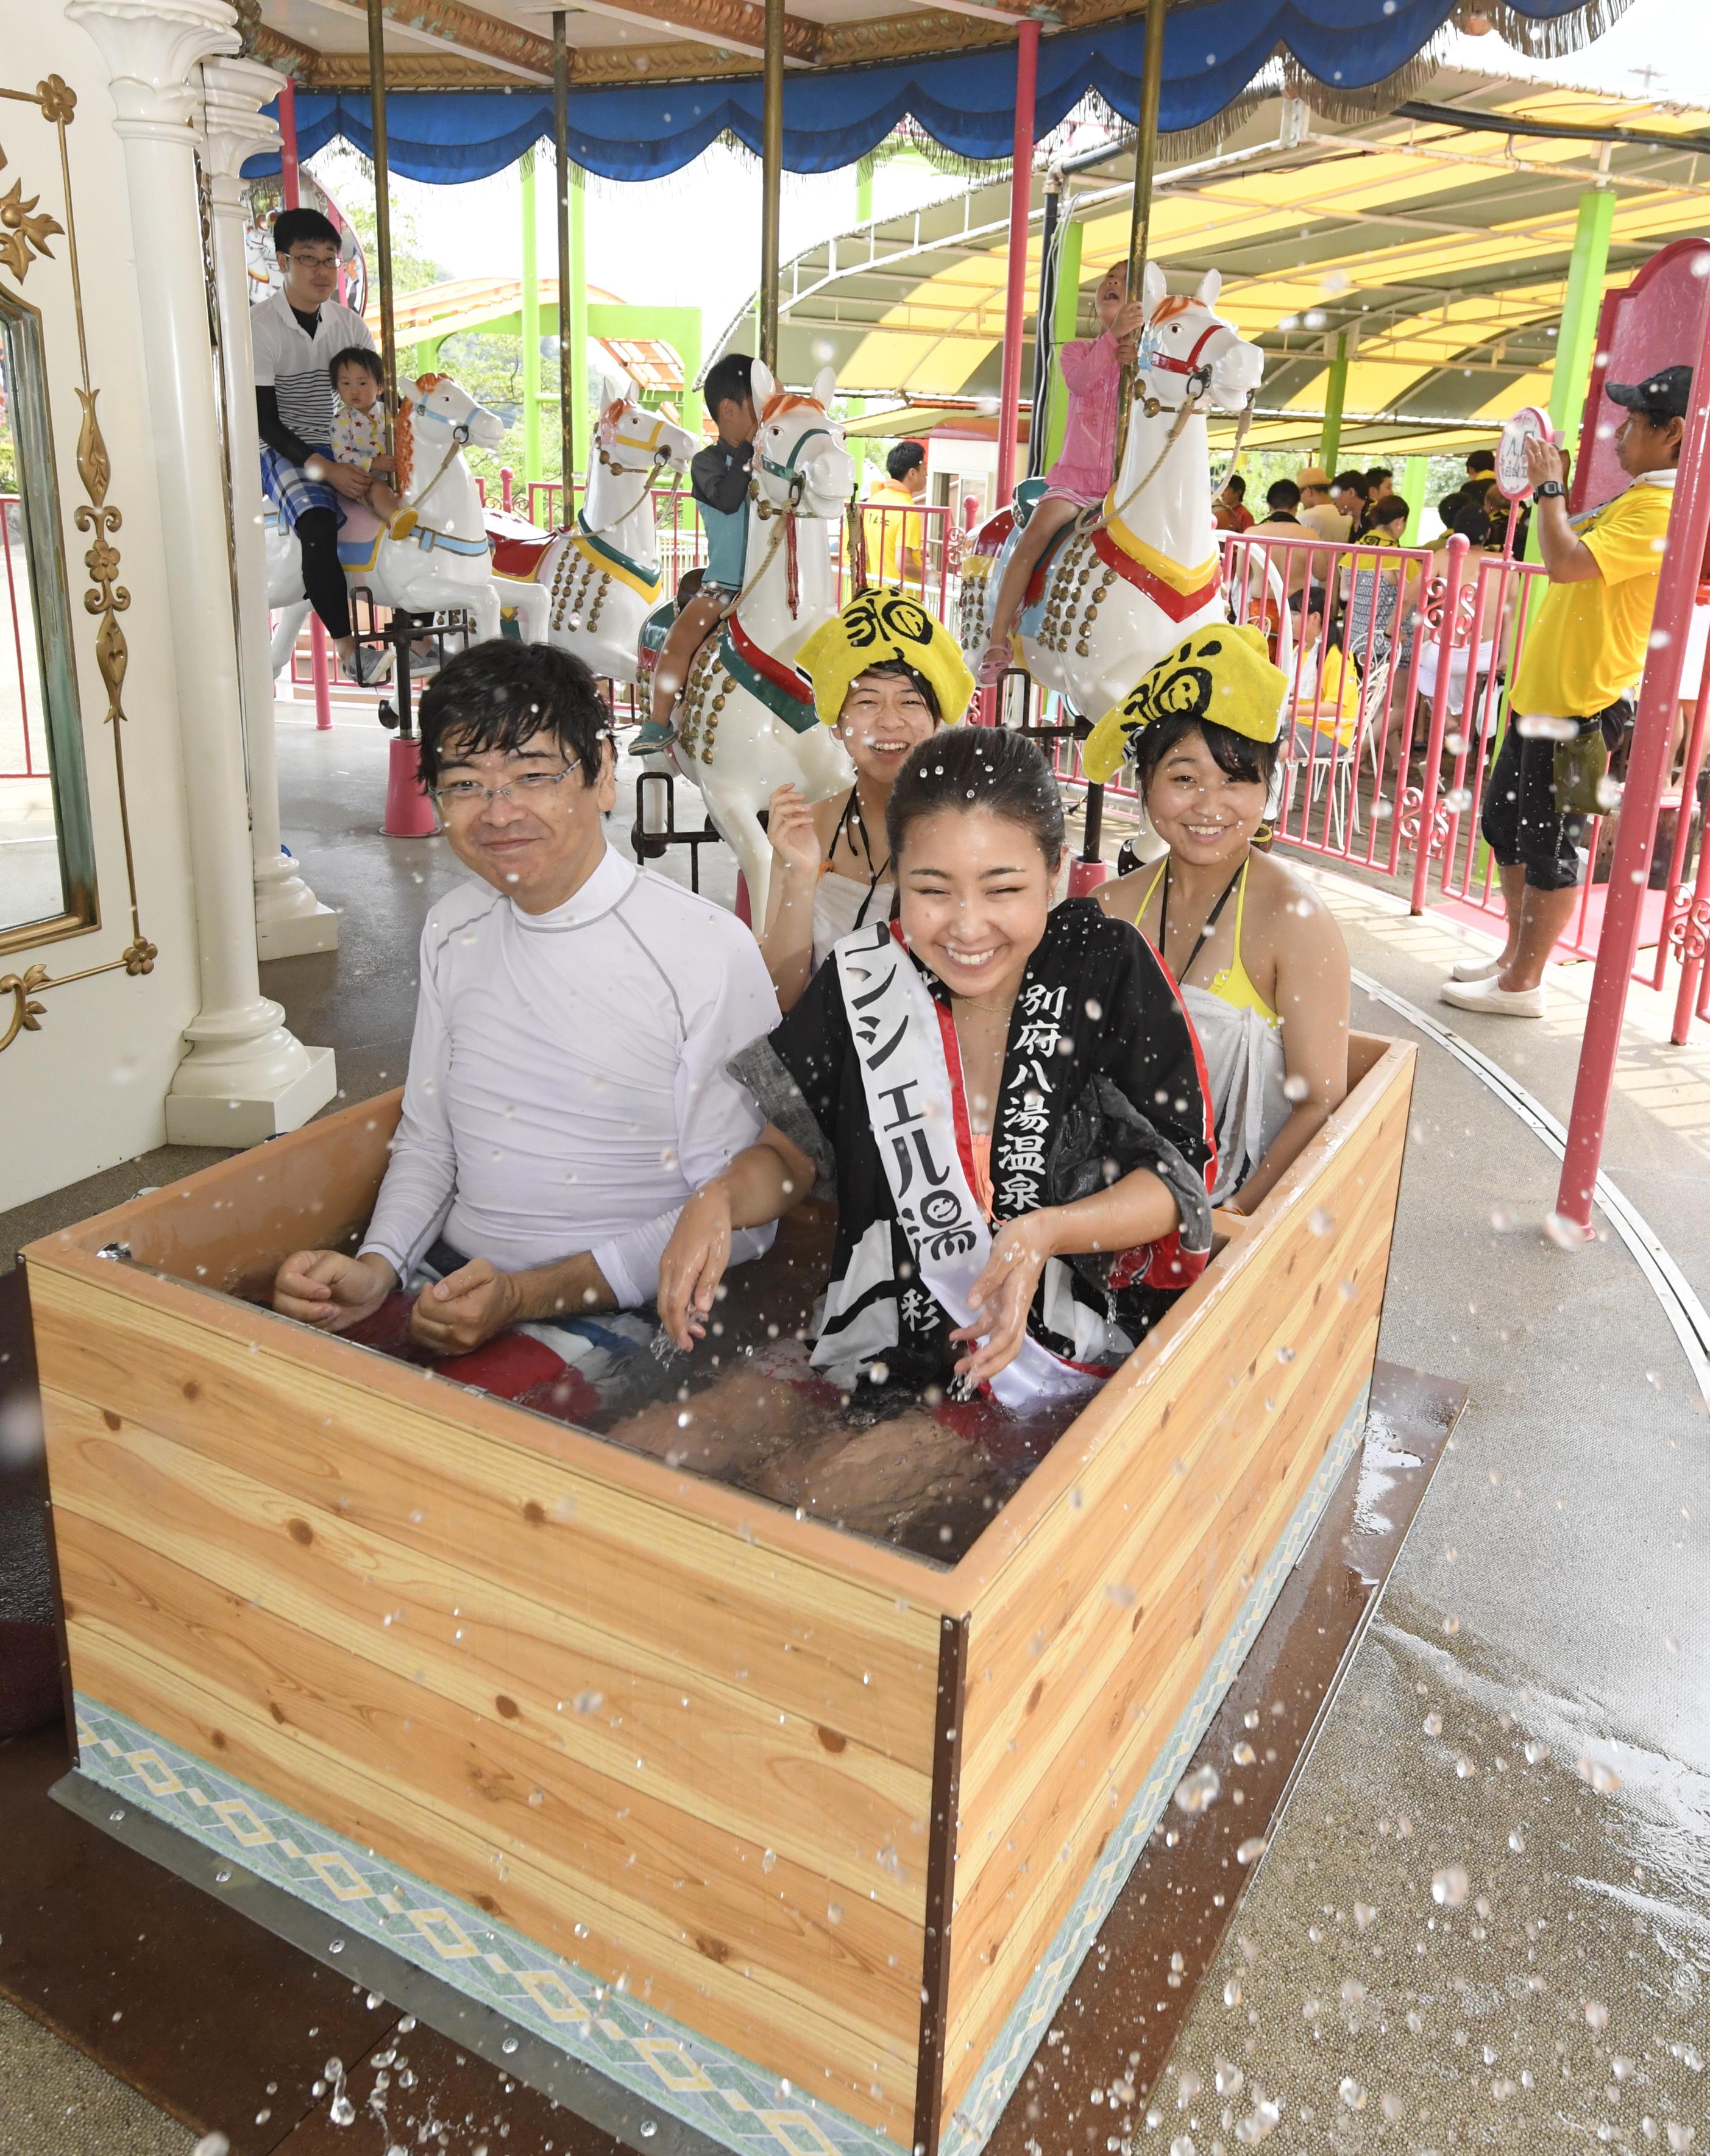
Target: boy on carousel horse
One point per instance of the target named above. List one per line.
(719, 479)
(296, 333)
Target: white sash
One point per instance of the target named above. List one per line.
(894, 1023)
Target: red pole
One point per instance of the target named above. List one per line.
(1020, 206)
(319, 675)
(1635, 837)
(287, 145)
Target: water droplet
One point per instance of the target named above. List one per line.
(1320, 1222)
(1244, 1755)
(649, 2128)
(1228, 2078)
(1295, 1088)
(1198, 1790)
(1124, 1598)
(1604, 1779)
(1596, 2013)
(343, 2111)
(1565, 1234)
(1252, 1849)
(1534, 1752)
(1352, 2094)
(1433, 1725)
(833, 1912)
(1450, 1887)
(588, 1703)
(768, 1859)
(1364, 1915)
(1232, 1993)
(211, 2144)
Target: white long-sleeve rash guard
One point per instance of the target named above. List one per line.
(566, 1089)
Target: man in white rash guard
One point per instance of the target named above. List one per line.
(566, 1089)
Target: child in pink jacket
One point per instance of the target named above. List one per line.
(1082, 474)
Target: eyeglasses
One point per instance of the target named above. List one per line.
(459, 796)
(314, 261)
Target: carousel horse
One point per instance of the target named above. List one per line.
(1130, 580)
(601, 579)
(746, 724)
(435, 555)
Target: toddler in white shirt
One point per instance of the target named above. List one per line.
(359, 424)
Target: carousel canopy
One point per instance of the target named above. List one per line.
(654, 82)
(1434, 242)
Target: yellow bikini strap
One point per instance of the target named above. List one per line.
(1162, 867)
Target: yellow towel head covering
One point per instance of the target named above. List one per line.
(1222, 672)
(875, 627)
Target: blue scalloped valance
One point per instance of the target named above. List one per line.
(964, 100)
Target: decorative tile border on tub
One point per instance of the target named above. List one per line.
(978, 2113)
(711, 2090)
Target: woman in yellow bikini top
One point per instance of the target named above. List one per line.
(1266, 981)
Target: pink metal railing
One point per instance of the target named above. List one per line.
(33, 767)
(909, 547)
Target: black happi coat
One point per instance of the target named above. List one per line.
(1101, 1074)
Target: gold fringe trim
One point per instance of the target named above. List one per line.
(1551, 38)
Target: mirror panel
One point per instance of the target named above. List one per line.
(47, 858)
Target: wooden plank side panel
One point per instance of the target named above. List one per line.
(1005, 1928)
(442, 1793)
(1180, 1513)
(626, 1730)
(1300, 1293)
(227, 1226)
(1199, 1323)
(859, 1662)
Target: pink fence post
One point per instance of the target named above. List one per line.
(505, 478)
(1636, 836)
(319, 675)
(1439, 718)
(1676, 905)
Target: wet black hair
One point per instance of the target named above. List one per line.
(501, 694)
(1480, 461)
(1282, 493)
(904, 458)
(1236, 484)
(729, 380)
(1352, 482)
(292, 225)
(1391, 510)
(356, 355)
(901, 668)
(971, 767)
(1237, 756)
(1378, 477)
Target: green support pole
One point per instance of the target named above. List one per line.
(1064, 323)
(579, 309)
(1330, 440)
(1581, 304)
(530, 329)
(1413, 487)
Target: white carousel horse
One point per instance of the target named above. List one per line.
(745, 725)
(599, 580)
(436, 554)
(1128, 583)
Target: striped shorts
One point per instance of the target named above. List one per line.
(289, 487)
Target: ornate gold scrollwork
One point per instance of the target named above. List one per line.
(26, 1016)
(23, 233)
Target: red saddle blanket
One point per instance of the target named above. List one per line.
(516, 546)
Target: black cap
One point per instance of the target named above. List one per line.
(1659, 395)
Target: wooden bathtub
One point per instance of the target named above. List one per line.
(714, 1798)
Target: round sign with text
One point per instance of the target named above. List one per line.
(1527, 423)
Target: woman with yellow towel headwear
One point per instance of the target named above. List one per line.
(886, 675)
(1259, 960)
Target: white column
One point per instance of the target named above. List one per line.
(246, 1076)
(290, 919)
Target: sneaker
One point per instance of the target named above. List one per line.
(1477, 969)
(365, 667)
(652, 735)
(1500, 1003)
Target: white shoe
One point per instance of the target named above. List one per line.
(1477, 969)
(1500, 1003)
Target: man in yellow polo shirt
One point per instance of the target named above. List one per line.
(1583, 655)
(893, 531)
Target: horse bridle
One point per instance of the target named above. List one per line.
(786, 470)
(1196, 372)
(661, 458)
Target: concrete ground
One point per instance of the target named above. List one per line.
(1484, 1920)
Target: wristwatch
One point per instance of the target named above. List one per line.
(1550, 490)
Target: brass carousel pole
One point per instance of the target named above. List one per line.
(1090, 866)
(382, 196)
(1145, 160)
(569, 358)
(771, 174)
